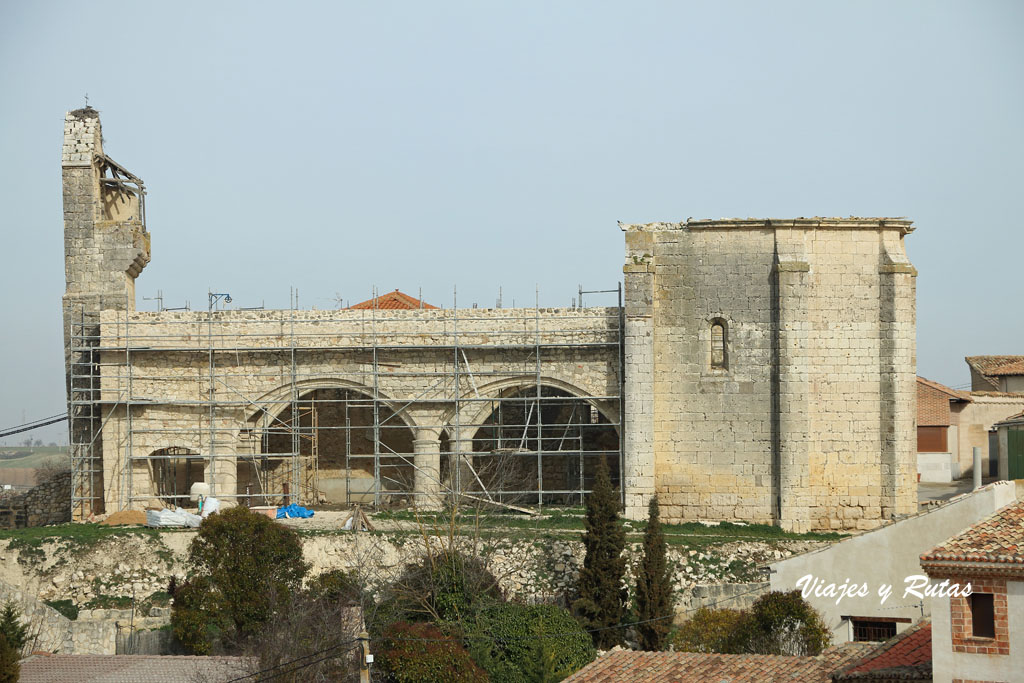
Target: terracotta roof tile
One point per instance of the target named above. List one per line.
(952, 393)
(996, 540)
(906, 656)
(393, 301)
(627, 666)
(997, 365)
(129, 668)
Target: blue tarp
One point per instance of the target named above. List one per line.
(293, 510)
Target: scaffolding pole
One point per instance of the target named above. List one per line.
(359, 388)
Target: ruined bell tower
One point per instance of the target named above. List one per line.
(106, 246)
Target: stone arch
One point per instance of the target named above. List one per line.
(333, 444)
(524, 381)
(173, 470)
(276, 400)
(521, 449)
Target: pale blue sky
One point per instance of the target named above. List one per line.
(334, 147)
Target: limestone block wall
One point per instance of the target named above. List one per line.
(810, 421)
(262, 361)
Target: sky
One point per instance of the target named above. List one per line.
(336, 147)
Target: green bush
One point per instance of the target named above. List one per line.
(447, 587)
(785, 624)
(777, 624)
(711, 630)
(525, 643)
(249, 566)
(421, 653)
(197, 615)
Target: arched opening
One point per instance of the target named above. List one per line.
(173, 471)
(541, 449)
(719, 344)
(331, 446)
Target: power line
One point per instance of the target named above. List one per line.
(538, 636)
(28, 426)
(293, 661)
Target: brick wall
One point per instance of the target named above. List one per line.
(960, 615)
(932, 407)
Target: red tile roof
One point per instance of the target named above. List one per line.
(394, 301)
(993, 545)
(933, 402)
(130, 668)
(627, 666)
(907, 656)
(994, 366)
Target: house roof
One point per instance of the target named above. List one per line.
(394, 301)
(907, 656)
(952, 393)
(627, 666)
(993, 366)
(1013, 419)
(130, 668)
(995, 545)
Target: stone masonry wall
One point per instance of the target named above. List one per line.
(254, 375)
(811, 421)
(46, 503)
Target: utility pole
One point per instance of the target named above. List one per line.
(366, 659)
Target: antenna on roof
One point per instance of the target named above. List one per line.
(86, 100)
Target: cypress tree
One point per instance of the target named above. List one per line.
(15, 632)
(602, 600)
(654, 599)
(10, 670)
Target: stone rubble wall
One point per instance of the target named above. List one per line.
(43, 504)
(528, 570)
(50, 631)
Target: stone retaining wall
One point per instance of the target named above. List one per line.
(46, 503)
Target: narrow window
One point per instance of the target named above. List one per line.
(983, 615)
(718, 344)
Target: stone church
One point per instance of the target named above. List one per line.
(754, 370)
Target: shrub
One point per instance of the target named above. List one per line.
(654, 599)
(711, 630)
(777, 624)
(446, 587)
(785, 624)
(525, 643)
(249, 566)
(602, 601)
(197, 616)
(421, 653)
(319, 626)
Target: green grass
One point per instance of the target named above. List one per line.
(109, 602)
(571, 519)
(34, 456)
(66, 607)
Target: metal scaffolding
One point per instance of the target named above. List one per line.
(342, 434)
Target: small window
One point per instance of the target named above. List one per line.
(872, 631)
(719, 341)
(983, 615)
